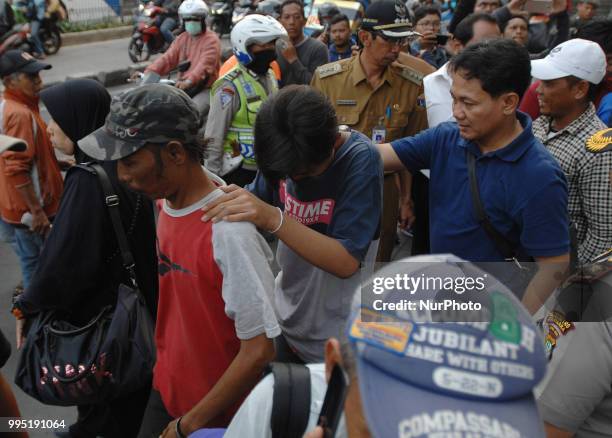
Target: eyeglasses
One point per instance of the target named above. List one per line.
(402, 41)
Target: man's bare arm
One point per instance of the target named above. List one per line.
(390, 159)
(551, 273)
(240, 377)
(40, 222)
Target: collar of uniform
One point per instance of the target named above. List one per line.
(359, 74)
(513, 151)
(543, 123)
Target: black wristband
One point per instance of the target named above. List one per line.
(177, 428)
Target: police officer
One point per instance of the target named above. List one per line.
(379, 97)
(237, 96)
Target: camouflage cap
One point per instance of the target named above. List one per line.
(154, 113)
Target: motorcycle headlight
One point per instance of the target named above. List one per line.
(147, 12)
(140, 8)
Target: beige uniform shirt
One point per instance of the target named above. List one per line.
(362, 107)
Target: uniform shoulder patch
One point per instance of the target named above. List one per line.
(411, 74)
(331, 69)
(600, 142)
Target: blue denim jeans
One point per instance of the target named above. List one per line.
(7, 235)
(29, 246)
(34, 31)
(166, 28)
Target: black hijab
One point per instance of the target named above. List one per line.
(79, 107)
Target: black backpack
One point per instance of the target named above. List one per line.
(291, 401)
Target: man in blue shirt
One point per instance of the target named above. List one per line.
(522, 189)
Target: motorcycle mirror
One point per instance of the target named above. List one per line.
(184, 66)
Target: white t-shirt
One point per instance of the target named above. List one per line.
(253, 417)
(438, 99)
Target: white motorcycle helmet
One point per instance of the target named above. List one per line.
(254, 29)
(193, 9)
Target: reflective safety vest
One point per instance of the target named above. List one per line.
(252, 94)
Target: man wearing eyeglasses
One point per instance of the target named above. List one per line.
(375, 95)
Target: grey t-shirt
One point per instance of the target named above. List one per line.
(311, 54)
(576, 394)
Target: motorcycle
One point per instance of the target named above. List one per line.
(17, 38)
(221, 13)
(242, 10)
(170, 79)
(50, 35)
(146, 36)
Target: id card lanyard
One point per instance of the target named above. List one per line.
(379, 133)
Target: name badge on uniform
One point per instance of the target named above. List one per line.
(378, 134)
(346, 102)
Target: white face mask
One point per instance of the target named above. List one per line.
(193, 27)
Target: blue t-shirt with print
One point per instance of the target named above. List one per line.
(522, 188)
(344, 202)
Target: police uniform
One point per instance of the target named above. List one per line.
(397, 104)
(236, 98)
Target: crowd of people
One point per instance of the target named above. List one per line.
(489, 145)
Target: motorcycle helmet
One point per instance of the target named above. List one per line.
(269, 7)
(193, 9)
(326, 11)
(254, 29)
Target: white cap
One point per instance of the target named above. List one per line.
(12, 143)
(580, 58)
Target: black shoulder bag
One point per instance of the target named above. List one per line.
(515, 275)
(111, 356)
(291, 400)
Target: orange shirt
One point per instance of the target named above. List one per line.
(231, 62)
(20, 118)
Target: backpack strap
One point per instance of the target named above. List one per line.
(291, 402)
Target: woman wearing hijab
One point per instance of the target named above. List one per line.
(80, 266)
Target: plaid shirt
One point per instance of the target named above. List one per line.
(589, 180)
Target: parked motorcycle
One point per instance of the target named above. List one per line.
(221, 13)
(146, 37)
